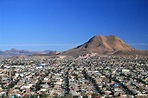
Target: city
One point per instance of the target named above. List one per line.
(73, 48)
(87, 76)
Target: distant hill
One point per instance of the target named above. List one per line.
(108, 45)
(16, 52)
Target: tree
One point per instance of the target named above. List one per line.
(94, 95)
(44, 95)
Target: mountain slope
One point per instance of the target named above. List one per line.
(101, 45)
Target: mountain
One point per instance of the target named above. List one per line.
(102, 45)
(16, 52)
(107, 45)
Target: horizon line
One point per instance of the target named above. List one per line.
(134, 44)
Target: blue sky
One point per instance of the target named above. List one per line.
(64, 24)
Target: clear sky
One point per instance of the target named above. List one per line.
(63, 24)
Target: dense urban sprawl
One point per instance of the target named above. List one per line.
(67, 77)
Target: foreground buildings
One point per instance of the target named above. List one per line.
(88, 76)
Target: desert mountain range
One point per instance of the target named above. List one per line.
(108, 45)
(102, 45)
(16, 52)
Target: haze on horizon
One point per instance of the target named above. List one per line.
(63, 24)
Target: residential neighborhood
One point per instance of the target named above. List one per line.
(87, 76)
